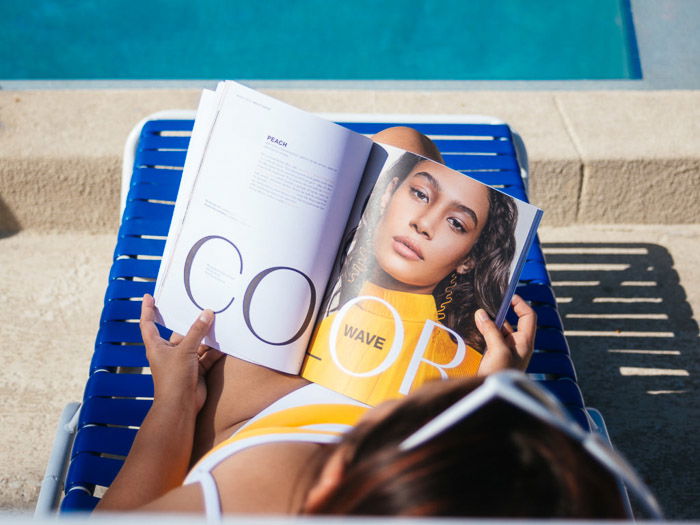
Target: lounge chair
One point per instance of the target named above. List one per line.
(117, 396)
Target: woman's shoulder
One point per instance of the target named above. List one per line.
(312, 414)
(270, 478)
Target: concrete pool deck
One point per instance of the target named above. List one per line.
(618, 174)
(60, 150)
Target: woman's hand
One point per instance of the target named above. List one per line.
(160, 455)
(506, 348)
(178, 366)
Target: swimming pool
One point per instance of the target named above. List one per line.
(318, 39)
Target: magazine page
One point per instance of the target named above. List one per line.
(259, 225)
(431, 247)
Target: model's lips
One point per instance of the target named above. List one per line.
(406, 248)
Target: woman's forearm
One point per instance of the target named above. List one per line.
(158, 460)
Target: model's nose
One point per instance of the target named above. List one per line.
(424, 224)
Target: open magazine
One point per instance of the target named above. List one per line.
(355, 264)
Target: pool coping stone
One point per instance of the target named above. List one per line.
(595, 156)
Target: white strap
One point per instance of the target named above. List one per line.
(210, 461)
(212, 503)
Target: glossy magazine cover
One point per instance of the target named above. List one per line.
(431, 247)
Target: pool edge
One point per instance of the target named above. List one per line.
(596, 156)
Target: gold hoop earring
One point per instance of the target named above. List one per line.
(448, 297)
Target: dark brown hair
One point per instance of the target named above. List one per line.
(483, 286)
(498, 462)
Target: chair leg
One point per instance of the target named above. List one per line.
(54, 477)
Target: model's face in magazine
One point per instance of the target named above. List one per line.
(431, 221)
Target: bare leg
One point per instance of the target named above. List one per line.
(238, 390)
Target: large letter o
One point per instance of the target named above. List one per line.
(394, 351)
(188, 267)
(248, 297)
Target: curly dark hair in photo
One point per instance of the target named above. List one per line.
(457, 296)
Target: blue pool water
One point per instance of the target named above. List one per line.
(317, 39)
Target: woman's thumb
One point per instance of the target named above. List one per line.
(487, 327)
(497, 356)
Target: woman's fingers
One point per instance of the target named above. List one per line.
(527, 318)
(507, 348)
(176, 338)
(492, 335)
(198, 330)
(208, 357)
(498, 355)
(507, 329)
(194, 336)
(524, 337)
(149, 331)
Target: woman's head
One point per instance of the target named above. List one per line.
(498, 462)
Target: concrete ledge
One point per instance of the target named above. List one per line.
(640, 191)
(596, 156)
(61, 194)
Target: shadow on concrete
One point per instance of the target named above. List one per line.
(635, 346)
(9, 225)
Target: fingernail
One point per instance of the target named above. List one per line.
(481, 315)
(206, 316)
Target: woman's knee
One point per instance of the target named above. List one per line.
(411, 140)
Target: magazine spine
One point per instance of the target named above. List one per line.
(178, 228)
(503, 311)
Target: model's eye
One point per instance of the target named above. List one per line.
(418, 194)
(457, 225)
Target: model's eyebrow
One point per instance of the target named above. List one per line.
(432, 181)
(468, 211)
(429, 179)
